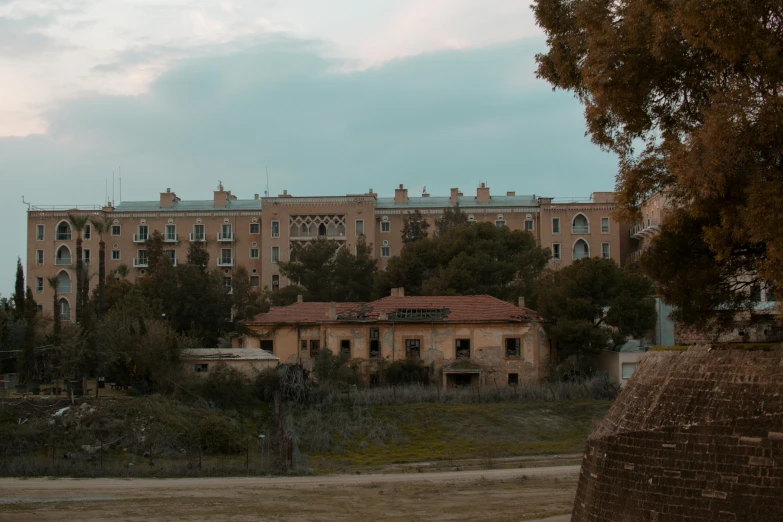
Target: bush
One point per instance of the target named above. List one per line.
(218, 435)
(408, 371)
(335, 370)
(227, 388)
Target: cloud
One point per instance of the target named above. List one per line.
(443, 119)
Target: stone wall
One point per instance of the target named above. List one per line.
(695, 435)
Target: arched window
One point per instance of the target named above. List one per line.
(331, 230)
(340, 230)
(63, 231)
(63, 282)
(65, 310)
(294, 231)
(321, 229)
(304, 229)
(63, 256)
(580, 225)
(581, 249)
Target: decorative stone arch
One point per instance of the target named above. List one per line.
(64, 282)
(580, 249)
(63, 255)
(580, 226)
(65, 308)
(63, 231)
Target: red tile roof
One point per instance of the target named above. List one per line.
(465, 308)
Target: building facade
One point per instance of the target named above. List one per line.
(462, 340)
(258, 233)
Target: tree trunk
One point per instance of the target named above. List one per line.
(57, 325)
(101, 277)
(79, 280)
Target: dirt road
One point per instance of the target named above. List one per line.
(504, 494)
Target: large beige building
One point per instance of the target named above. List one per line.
(257, 233)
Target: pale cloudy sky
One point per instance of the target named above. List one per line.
(333, 96)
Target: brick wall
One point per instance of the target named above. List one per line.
(695, 436)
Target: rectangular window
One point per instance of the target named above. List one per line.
(413, 348)
(345, 347)
(605, 250)
(143, 234)
(172, 256)
(513, 379)
(529, 225)
(275, 229)
(171, 233)
(500, 223)
(556, 251)
(255, 228)
(275, 282)
(555, 225)
(375, 343)
(385, 226)
(315, 344)
(227, 282)
(39, 232)
(462, 349)
(268, 345)
(513, 345)
(86, 256)
(385, 251)
(225, 231)
(39, 284)
(628, 369)
(604, 225)
(141, 259)
(225, 257)
(303, 345)
(39, 258)
(199, 234)
(275, 254)
(87, 232)
(115, 230)
(255, 282)
(202, 368)
(115, 255)
(359, 227)
(253, 253)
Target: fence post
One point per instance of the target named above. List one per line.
(101, 439)
(247, 452)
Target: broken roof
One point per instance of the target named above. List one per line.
(225, 354)
(451, 309)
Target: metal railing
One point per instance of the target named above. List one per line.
(171, 238)
(139, 238)
(226, 238)
(225, 261)
(141, 263)
(62, 261)
(580, 229)
(581, 255)
(197, 237)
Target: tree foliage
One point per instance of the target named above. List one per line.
(688, 94)
(592, 302)
(451, 218)
(467, 260)
(414, 227)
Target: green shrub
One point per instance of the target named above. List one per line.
(408, 371)
(227, 388)
(218, 435)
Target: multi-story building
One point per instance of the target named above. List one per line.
(258, 233)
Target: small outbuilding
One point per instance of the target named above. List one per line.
(245, 360)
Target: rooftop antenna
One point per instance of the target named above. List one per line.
(26, 203)
(266, 192)
(106, 190)
(120, 184)
(112, 188)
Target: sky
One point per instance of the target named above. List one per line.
(331, 97)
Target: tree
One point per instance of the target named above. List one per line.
(312, 266)
(451, 218)
(414, 227)
(698, 85)
(29, 369)
(154, 245)
(19, 290)
(592, 302)
(476, 259)
(101, 227)
(354, 273)
(78, 222)
(54, 283)
(246, 301)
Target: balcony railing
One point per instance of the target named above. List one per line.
(581, 255)
(63, 289)
(141, 263)
(225, 261)
(62, 261)
(63, 237)
(140, 238)
(171, 238)
(197, 237)
(580, 229)
(225, 238)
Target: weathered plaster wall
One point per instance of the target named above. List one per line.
(695, 435)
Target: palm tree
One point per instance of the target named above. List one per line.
(101, 227)
(123, 271)
(78, 223)
(54, 282)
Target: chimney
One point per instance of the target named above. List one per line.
(521, 301)
(482, 194)
(401, 291)
(400, 195)
(221, 197)
(332, 313)
(300, 298)
(168, 198)
(511, 193)
(285, 194)
(255, 196)
(454, 195)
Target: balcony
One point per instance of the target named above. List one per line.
(225, 238)
(580, 229)
(63, 237)
(197, 237)
(581, 255)
(64, 289)
(140, 262)
(140, 238)
(62, 261)
(646, 228)
(171, 238)
(225, 261)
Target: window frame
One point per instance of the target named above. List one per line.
(273, 281)
(146, 232)
(261, 346)
(458, 348)
(119, 230)
(274, 254)
(113, 250)
(532, 225)
(506, 339)
(257, 226)
(257, 252)
(39, 285)
(87, 232)
(608, 225)
(272, 232)
(406, 341)
(201, 367)
(39, 257)
(203, 235)
(314, 343)
(623, 366)
(387, 226)
(515, 378)
(559, 251)
(371, 339)
(166, 233)
(86, 256)
(63, 237)
(342, 347)
(226, 261)
(255, 279)
(40, 232)
(387, 250)
(500, 223)
(606, 250)
(356, 227)
(559, 227)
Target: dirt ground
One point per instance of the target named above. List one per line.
(498, 495)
